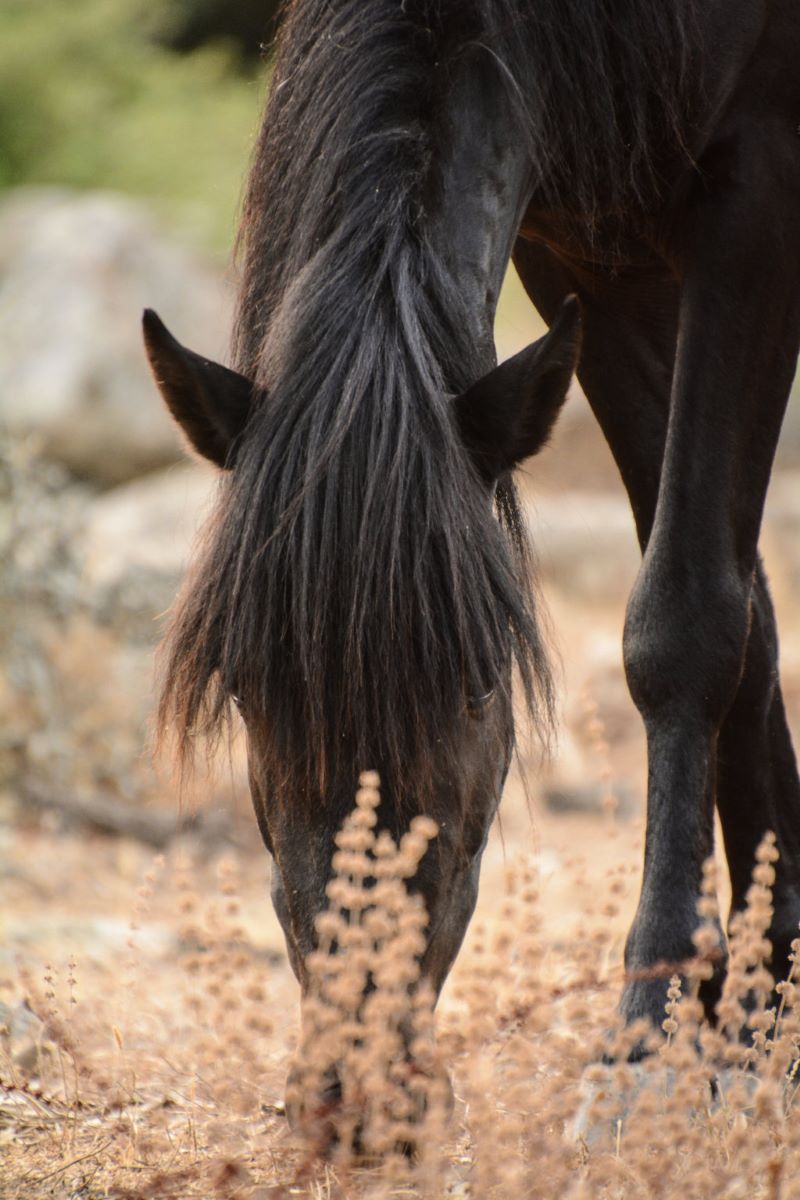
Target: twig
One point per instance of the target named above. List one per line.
(109, 815)
(66, 1166)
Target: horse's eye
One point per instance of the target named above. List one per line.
(477, 706)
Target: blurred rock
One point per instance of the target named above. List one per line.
(85, 578)
(137, 541)
(588, 799)
(42, 510)
(781, 541)
(76, 270)
(610, 1096)
(576, 458)
(788, 454)
(25, 1034)
(90, 934)
(585, 543)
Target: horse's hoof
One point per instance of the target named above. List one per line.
(610, 1096)
(318, 1117)
(734, 1087)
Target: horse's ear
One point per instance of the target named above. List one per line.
(210, 403)
(509, 414)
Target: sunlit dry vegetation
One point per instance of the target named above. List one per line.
(156, 1068)
(150, 1019)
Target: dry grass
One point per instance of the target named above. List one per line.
(156, 1068)
(151, 1018)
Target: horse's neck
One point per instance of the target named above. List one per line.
(484, 176)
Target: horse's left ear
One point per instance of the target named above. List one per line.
(210, 403)
(508, 415)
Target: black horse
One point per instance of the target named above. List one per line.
(363, 592)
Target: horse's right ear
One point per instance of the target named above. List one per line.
(210, 403)
(509, 414)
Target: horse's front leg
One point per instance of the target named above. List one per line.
(689, 615)
(758, 788)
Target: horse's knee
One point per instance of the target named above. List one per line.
(684, 640)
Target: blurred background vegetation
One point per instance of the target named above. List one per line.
(158, 99)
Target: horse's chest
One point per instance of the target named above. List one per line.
(613, 245)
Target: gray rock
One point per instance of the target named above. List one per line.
(781, 539)
(136, 546)
(585, 543)
(25, 1035)
(788, 454)
(606, 1107)
(587, 800)
(76, 270)
(94, 936)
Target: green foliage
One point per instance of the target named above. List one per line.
(88, 99)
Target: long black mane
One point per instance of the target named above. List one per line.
(354, 587)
